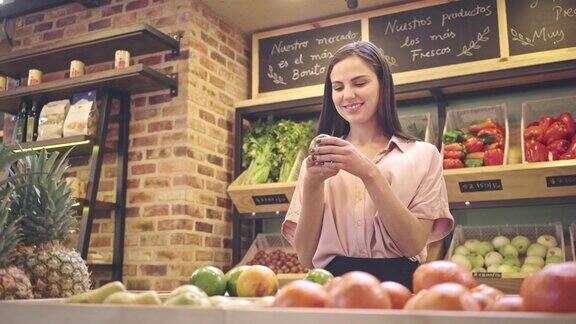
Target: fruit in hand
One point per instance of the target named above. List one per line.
(257, 281)
(553, 289)
(314, 143)
(210, 279)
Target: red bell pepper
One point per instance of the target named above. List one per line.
(473, 145)
(572, 147)
(454, 154)
(488, 123)
(494, 157)
(494, 145)
(535, 151)
(545, 122)
(453, 164)
(567, 119)
(567, 156)
(557, 148)
(454, 147)
(534, 133)
(556, 131)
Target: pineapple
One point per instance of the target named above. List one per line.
(45, 205)
(14, 283)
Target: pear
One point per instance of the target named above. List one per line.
(462, 250)
(462, 261)
(521, 243)
(536, 249)
(547, 240)
(500, 241)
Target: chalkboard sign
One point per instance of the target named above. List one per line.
(301, 59)
(452, 33)
(481, 185)
(540, 25)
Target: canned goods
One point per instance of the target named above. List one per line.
(76, 68)
(34, 77)
(122, 59)
(2, 83)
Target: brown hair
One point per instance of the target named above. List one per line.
(332, 123)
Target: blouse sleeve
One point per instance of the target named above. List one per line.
(431, 199)
(288, 229)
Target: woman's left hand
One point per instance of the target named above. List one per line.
(339, 154)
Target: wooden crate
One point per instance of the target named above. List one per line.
(266, 197)
(533, 110)
(507, 282)
(422, 121)
(462, 118)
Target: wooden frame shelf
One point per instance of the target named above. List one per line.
(134, 79)
(91, 48)
(100, 267)
(519, 182)
(82, 145)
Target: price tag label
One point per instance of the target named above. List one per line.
(270, 199)
(561, 181)
(482, 185)
(497, 275)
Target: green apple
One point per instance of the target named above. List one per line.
(476, 260)
(471, 244)
(547, 240)
(530, 267)
(500, 241)
(479, 269)
(554, 259)
(492, 258)
(521, 243)
(508, 251)
(512, 261)
(554, 251)
(484, 247)
(462, 250)
(536, 249)
(462, 261)
(506, 268)
(493, 268)
(536, 260)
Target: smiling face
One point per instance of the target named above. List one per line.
(355, 89)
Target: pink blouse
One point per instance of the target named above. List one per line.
(351, 226)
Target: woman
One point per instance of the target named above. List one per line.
(370, 197)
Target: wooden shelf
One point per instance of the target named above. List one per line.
(519, 182)
(100, 267)
(132, 80)
(82, 145)
(92, 48)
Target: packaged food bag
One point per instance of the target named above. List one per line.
(51, 121)
(82, 116)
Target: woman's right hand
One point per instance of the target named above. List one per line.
(317, 173)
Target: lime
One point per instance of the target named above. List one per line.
(210, 279)
(319, 276)
(232, 278)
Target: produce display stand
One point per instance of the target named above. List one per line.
(51, 312)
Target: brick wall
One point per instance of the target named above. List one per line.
(181, 148)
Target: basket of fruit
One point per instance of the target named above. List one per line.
(475, 137)
(419, 126)
(273, 251)
(548, 130)
(502, 255)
